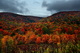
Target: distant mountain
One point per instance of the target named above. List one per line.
(18, 18)
(66, 16)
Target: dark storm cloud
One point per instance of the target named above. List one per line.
(62, 5)
(12, 6)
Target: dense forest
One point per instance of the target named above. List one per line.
(58, 33)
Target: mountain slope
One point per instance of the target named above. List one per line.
(18, 18)
(66, 16)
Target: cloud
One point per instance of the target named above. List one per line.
(62, 5)
(12, 6)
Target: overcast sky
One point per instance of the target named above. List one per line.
(40, 8)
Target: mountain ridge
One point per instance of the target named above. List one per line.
(21, 18)
(65, 16)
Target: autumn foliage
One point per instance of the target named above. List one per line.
(60, 35)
